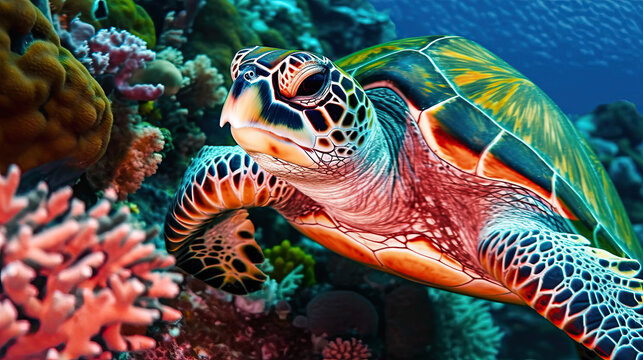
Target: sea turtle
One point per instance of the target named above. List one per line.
(429, 158)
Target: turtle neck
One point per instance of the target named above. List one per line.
(368, 188)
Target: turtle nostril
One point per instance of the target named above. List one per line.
(249, 75)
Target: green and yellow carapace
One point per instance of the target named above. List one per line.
(429, 158)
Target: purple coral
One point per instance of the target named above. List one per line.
(71, 277)
(339, 349)
(119, 53)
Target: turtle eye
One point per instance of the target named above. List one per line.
(311, 85)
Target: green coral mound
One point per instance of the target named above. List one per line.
(219, 32)
(285, 258)
(122, 14)
(467, 331)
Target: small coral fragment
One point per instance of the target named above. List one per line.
(339, 349)
(285, 258)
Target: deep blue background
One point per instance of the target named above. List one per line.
(580, 52)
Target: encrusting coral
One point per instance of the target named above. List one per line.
(50, 106)
(73, 280)
(213, 327)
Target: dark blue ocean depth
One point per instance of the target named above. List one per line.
(580, 52)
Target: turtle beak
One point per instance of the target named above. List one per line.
(255, 129)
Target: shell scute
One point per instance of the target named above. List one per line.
(363, 56)
(409, 71)
(458, 132)
(467, 124)
(519, 157)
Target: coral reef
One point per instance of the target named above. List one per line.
(470, 334)
(285, 257)
(339, 349)
(219, 32)
(201, 91)
(121, 14)
(346, 26)
(298, 313)
(132, 155)
(279, 23)
(50, 106)
(121, 54)
(53, 253)
(615, 133)
(214, 328)
(202, 87)
(140, 161)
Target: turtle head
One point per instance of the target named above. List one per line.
(295, 107)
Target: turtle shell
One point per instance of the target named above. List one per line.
(471, 105)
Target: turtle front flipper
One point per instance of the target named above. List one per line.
(593, 295)
(207, 229)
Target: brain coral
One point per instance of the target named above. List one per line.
(50, 106)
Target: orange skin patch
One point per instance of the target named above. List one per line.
(261, 141)
(229, 196)
(337, 241)
(446, 146)
(492, 167)
(416, 267)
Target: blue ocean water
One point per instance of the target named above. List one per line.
(580, 52)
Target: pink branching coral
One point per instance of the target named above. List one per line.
(339, 349)
(119, 53)
(71, 276)
(141, 160)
